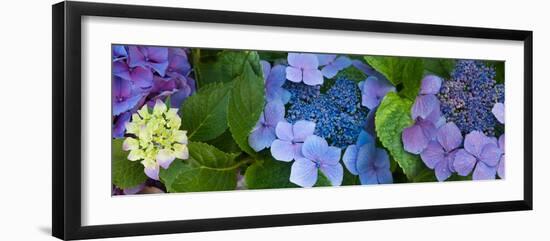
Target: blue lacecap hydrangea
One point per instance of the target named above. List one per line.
(469, 95)
(337, 113)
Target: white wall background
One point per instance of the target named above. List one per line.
(25, 123)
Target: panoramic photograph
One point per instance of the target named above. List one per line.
(188, 119)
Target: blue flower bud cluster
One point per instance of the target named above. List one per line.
(337, 113)
(469, 95)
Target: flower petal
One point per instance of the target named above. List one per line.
(330, 71)
(135, 57)
(432, 154)
(334, 173)
(277, 76)
(369, 177)
(501, 169)
(165, 158)
(314, 147)
(284, 132)
(501, 144)
(181, 151)
(366, 157)
(303, 173)
(384, 176)
(484, 172)
(302, 129)
(430, 85)
(414, 139)
(449, 136)
(364, 138)
(261, 138)
(350, 159)
(498, 111)
(464, 162)
(313, 77)
(331, 156)
(274, 112)
(490, 154)
(152, 172)
(282, 150)
(474, 142)
(382, 159)
(130, 144)
(303, 61)
(294, 74)
(325, 59)
(424, 105)
(142, 77)
(266, 68)
(442, 171)
(133, 190)
(157, 54)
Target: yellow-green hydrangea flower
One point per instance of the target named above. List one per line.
(158, 139)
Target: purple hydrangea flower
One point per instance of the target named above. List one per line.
(139, 76)
(263, 134)
(498, 112)
(119, 52)
(124, 97)
(480, 154)
(155, 58)
(178, 62)
(274, 79)
(288, 145)
(427, 117)
(500, 169)
(372, 164)
(440, 152)
(175, 85)
(119, 126)
(332, 64)
(303, 67)
(317, 155)
(373, 91)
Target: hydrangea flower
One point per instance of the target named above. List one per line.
(317, 155)
(155, 58)
(119, 126)
(274, 79)
(139, 76)
(498, 111)
(373, 91)
(440, 152)
(500, 169)
(263, 134)
(119, 52)
(427, 117)
(303, 67)
(178, 62)
(337, 114)
(157, 139)
(480, 154)
(288, 145)
(124, 97)
(332, 64)
(372, 164)
(175, 85)
(469, 95)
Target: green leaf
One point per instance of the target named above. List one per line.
(207, 169)
(322, 180)
(268, 173)
(413, 71)
(392, 116)
(351, 73)
(440, 67)
(126, 173)
(397, 70)
(246, 101)
(220, 66)
(272, 55)
(204, 114)
(350, 179)
(499, 69)
(225, 143)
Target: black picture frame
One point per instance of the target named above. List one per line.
(66, 58)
